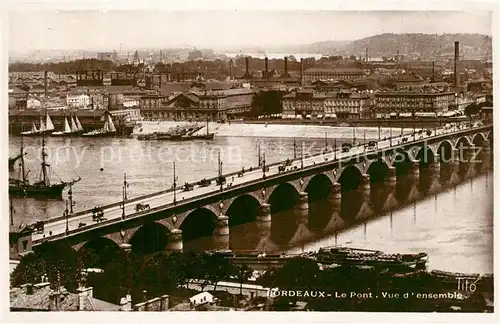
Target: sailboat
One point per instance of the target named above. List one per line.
(46, 127)
(73, 130)
(208, 135)
(108, 130)
(43, 187)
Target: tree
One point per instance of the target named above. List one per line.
(56, 262)
(242, 273)
(218, 268)
(297, 273)
(472, 109)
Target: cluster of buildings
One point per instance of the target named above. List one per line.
(343, 91)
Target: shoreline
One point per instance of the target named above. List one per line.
(273, 130)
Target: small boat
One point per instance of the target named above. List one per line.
(108, 130)
(43, 187)
(46, 127)
(363, 257)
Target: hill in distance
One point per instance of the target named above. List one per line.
(427, 45)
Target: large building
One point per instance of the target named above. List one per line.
(318, 105)
(211, 105)
(411, 103)
(77, 100)
(313, 74)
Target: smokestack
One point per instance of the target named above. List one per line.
(231, 70)
(286, 65)
(266, 73)
(246, 64)
(457, 56)
(433, 80)
(45, 82)
(301, 72)
(366, 55)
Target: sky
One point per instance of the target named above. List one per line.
(112, 30)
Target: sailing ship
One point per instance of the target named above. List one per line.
(74, 130)
(46, 127)
(108, 130)
(207, 136)
(43, 187)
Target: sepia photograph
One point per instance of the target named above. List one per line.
(250, 160)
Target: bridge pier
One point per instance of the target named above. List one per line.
(365, 182)
(265, 215)
(471, 153)
(222, 225)
(391, 176)
(436, 165)
(221, 242)
(335, 196)
(175, 240)
(303, 202)
(414, 170)
(486, 154)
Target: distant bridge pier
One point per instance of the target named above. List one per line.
(265, 214)
(335, 196)
(471, 153)
(414, 171)
(435, 165)
(486, 154)
(175, 240)
(222, 227)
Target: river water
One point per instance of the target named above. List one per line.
(454, 226)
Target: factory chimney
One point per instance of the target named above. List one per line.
(231, 70)
(285, 74)
(457, 56)
(301, 72)
(246, 65)
(366, 55)
(266, 72)
(433, 78)
(45, 82)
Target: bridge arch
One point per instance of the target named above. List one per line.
(98, 252)
(425, 156)
(479, 139)
(445, 151)
(463, 142)
(350, 179)
(243, 209)
(378, 170)
(149, 238)
(283, 197)
(402, 162)
(319, 187)
(198, 223)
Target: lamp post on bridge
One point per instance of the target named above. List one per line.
(70, 196)
(175, 186)
(66, 214)
(125, 185)
(264, 165)
(123, 201)
(260, 160)
(220, 178)
(294, 149)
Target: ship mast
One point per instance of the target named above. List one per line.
(45, 178)
(22, 162)
(12, 211)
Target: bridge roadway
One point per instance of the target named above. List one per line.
(113, 212)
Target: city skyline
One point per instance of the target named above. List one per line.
(95, 30)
